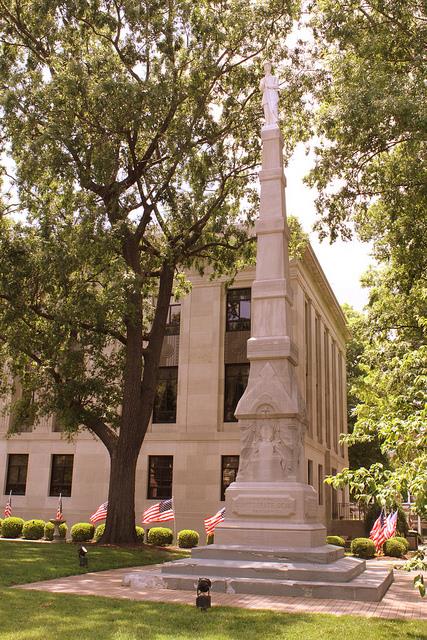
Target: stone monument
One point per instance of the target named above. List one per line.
(271, 540)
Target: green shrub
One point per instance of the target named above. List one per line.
(0, 525)
(403, 541)
(187, 539)
(140, 533)
(12, 527)
(99, 532)
(33, 529)
(210, 538)
(49, 530)
(338, 541)
(160, 536)
(363, 548)
(82, 531)
(393, 548)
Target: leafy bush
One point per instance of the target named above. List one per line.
(12, 527)
(49, 530)
(160, 536)
(99, 532)
(403, 541)
(140, 533)
(187, 539)
(210, 538)
(374, 511)
(363, 548)
(394, 548)
(82, 531)
(33, 529)
(338, 541)
(0, 525)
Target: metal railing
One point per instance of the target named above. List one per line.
(348, 511)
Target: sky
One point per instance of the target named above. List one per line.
(342, 262)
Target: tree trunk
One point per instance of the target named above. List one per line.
(120, 524)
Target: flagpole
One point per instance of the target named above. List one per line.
(174, 522)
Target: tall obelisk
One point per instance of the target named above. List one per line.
(270, 504)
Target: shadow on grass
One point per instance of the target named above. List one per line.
(33, 615)
(23, 562)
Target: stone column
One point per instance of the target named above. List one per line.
(270, 504)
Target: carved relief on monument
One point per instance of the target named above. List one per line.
(252, 505)
(271, 449)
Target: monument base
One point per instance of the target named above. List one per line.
(271, 514)
(313, 572)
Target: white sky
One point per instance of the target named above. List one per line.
(342, 262)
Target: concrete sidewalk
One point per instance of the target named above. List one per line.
(401, 601)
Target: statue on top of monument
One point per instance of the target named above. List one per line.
(269, 86)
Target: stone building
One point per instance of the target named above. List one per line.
(191, 451)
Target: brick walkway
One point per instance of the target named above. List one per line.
(401, 601)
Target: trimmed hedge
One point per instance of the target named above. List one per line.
(403, 541)
(160, 536)
(187, 539)
(12, 527)
(394, 548)
(338, 541)
(33, 529)
(363, 548)
(82, 532)
(210, 538)
(49, 530)
(140, 533)
(0, 525)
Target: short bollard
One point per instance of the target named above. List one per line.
(203, 599)
(83, 561)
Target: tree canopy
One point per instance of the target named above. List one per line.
(134, 133)
(371, 174)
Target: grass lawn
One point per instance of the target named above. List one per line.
(34, 615)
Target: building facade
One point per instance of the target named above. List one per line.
(191, 451)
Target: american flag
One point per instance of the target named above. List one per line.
(391, 525)
(160, 512)
(59, 509)
(213, 521)
(8, 507)
(377, 534)
(100, 513)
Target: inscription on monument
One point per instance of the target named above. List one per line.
(256, 505)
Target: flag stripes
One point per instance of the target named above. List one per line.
(160, 512)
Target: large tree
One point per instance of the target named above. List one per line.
(133, 126)
(371, 173)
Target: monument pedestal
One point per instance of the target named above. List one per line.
(271, 514)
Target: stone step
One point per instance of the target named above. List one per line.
(325, 554)
(342, 570)
(368, 587)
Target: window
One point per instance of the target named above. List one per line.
(61, 475)
(320, 483)
(327, 391)
(165, 400)
(310, 472)
(308, 364)
(236, 379)
(229, 468)
(16, 480)
(57, 426)
(238, 310)
(319, 394)
(173, 321)
(160, 470)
